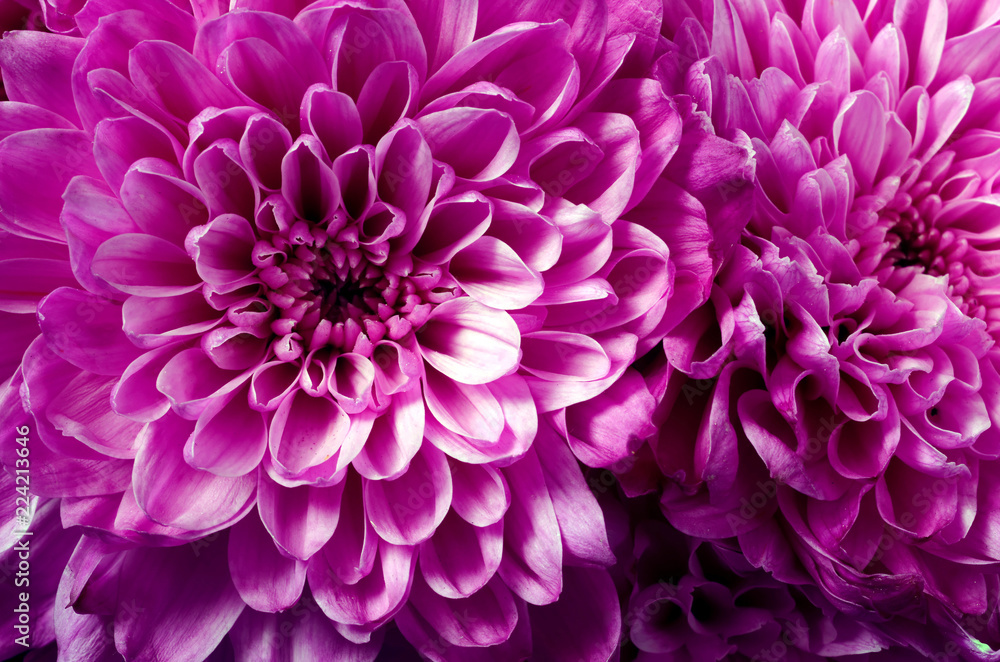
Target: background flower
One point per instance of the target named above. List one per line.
(833, 405)
(311, 288)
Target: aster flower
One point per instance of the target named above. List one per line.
(301, 294)
(834, 404)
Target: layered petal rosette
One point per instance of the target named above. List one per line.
(310, 288)
(834, 404)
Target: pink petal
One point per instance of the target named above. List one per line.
(459, 559)
(99, 344)
(36, 69)
(300, 519)
(394, 439)
(145, 265)
(408, 509)
(470, 342)
(306, 431)
(492, 273)
(266, 580)
(229, 438)
(174, 605)
(172, 493)
(532, 562)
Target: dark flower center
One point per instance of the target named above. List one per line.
(329, 290)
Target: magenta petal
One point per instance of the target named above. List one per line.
(265, 579)
(485, 618)
(480, 494)
(169, 74)
(470, 342)
(99, 344)
(82, 411)
(561, 356)
(145, 265)
(403, 168)
(532, 562)
(581, 522)
(604, 430)
(389, 94)
(859, 132)
(90, 216)
(373, 598)
(450, 134)
(459, 559)
(492, 273)
(224, 181)
(407, 510)
(175, 603)
(172, 493)
(333, 118)
(467, 410)
(453, 224)
(349, 555)
(308, 182)
(221, 250)
(36, 69)
(160, 201)
(47, 159)
(306, 431)
(588, 607)
(227, 418)
(26, 281)
(300, 519)
(299, 634)
(157, 321)
(395, 438)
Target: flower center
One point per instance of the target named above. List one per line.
(913, 240)
(329, 290)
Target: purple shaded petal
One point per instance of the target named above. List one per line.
(532, 561)
(373, 598)
(300, 519)
(36, 69)
(459, 559)
(451, 132)
(588, 607)
(227, 418)
(27, 281)
(174, 494)
(493, 274)
(47, 159)
(266, 580)
(97, 343)
(604, 430)
(175, 603)
(581, 523)
(485, 618)
(408, 509)
(395, 438)
(333, 118)
(161, 202)
(82, 411)
(480, 494)
(300, 634)
(306, 431)
(470, 342)
(170, 75)
(145, 265)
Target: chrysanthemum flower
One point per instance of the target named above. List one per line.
(688, 599)
(835, 404)
(311, 288)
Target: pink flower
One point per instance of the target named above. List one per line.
(834, 405)
(311, 288)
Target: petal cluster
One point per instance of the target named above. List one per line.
(308, 304)
(833, 405)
